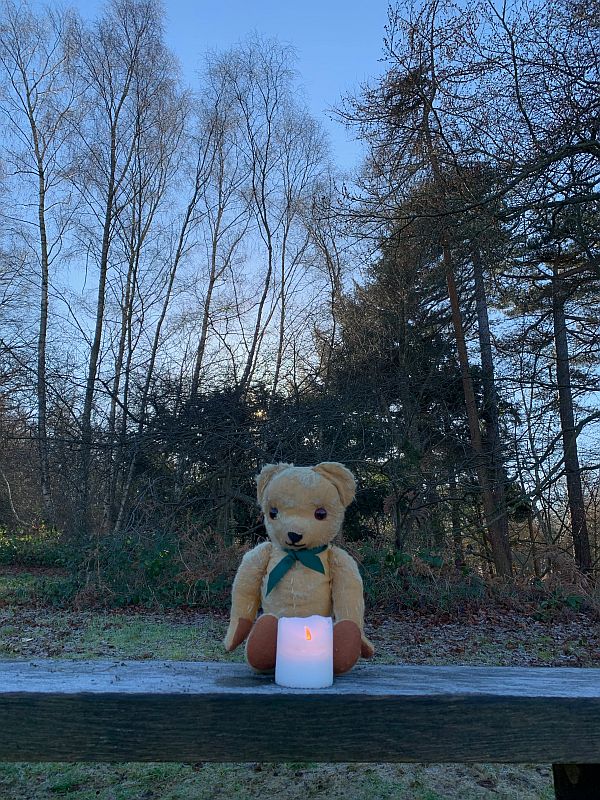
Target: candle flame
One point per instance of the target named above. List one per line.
(307, 633)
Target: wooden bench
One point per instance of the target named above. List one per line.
(116, 711)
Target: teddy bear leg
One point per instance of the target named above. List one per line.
(261, 647)
(346, 646)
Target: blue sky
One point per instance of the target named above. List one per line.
(339, 44)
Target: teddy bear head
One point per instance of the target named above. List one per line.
(304, 507)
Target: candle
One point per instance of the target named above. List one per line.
(304, 652)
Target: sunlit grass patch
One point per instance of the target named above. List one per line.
(27, 632)
(139, 637)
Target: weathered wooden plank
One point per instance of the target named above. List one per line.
(175, 711)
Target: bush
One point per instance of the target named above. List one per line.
(27, 589)
(394, 581)
(188, 566)
(37, 546)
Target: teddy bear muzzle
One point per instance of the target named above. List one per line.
(294, 538)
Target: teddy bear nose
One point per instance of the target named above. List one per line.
(294, 537)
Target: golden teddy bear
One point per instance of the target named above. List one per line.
(298, 572)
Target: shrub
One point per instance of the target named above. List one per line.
(37, 546)
(188, 566)
(394, 580)
(38, 590)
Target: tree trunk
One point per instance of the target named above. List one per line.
(534, 554)
(497, 538)
(47, 510)
(491, 436)
(86, 421)
(126, 315)
(457, 545)
(214, 275)
(498, 542)
(113, 183)
(581, 542)
(181, 243)
(282, 312)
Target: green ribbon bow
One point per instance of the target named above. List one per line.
(307, 557)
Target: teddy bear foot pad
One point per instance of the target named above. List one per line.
(346, 646)
(261, 649)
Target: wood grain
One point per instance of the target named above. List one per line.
(192, 711)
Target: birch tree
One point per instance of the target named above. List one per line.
(123, 64)
(38, 106)
(284, 154)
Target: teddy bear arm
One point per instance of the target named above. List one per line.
(346, 587)
(347, 594)
(245, 594)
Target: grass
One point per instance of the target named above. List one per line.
(133, 638)
(43, 633)
(258, 780)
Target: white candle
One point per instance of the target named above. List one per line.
(304, 652)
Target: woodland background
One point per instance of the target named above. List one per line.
(190, 289)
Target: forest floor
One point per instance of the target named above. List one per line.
(491, 637)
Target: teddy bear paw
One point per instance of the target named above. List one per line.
(261, 648)
(237, 633)
(366, 649)
(346, 646)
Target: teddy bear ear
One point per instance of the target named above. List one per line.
(341, 477)
(265, 475)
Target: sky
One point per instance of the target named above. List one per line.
(339, 45)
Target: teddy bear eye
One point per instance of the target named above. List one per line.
(273, 512)
(320, 513)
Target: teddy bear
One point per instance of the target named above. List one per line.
(298, 572)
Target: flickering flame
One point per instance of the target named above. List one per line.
(307, 633)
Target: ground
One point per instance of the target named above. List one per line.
(493, 637)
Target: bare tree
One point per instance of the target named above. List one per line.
(143, 288)
(329, 254)
(205, 159)
(223, 201)
(283, 151)
(123, 64)
(38, 106)
(550, 162)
